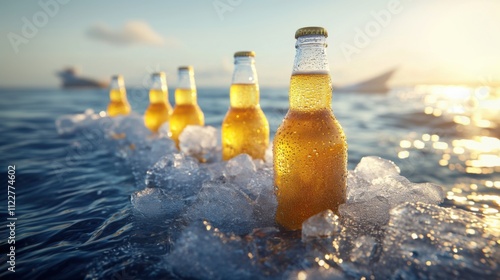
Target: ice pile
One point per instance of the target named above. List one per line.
(124, 136)
(323, 224)
(421, 241)
(68, 124)
(200, 142)
(223, 214)
(375, 187)
(234, 196)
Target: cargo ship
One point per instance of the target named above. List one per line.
(71, 79)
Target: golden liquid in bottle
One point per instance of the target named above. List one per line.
(310, 154)
(245, 128)
(159, 110)
(186, 112)
(118, 104)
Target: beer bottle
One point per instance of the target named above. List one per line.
(118, 104)
(245, 128)
(186, 110)
(310, 149)
(159, 109)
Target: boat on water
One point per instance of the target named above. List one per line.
(71, 79)
(377, 84)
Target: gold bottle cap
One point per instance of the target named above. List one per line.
(189, 68)
(244, 53)
(311, 30)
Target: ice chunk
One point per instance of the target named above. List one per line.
(363, 251)
(323, 224)
(215, 169)
(160, 147)
(68, 124)
(240, 169)
(357, 187)
(261, 190)
(268, 157)
(241, 165)
(397, 189)
(129, 130)
(256, 185)
(372, 167)
(368, 213)
(164, 130)
(204, 252)
(179, 175)
(199, 141)
(143, 157)
(155, 203)
(261, 182)
(439, 243)
(427, 192)
(370, 196)
(276, 253)
(225, 206)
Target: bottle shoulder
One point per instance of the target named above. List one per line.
(311, 125)
(253, 116)
(159, 105)
(187, 108)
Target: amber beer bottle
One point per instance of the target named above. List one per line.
(159, 109)
(118, 104)
(310, 149)
(245, 128)
(186, 110)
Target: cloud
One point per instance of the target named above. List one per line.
(132, 32)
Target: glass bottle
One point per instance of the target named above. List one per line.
(186, 110)
(118, 104)
(245, 128)
(310, 148)
(159, 109)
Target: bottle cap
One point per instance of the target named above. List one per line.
(117, 77)
(161, 74)
(311, 30)
(189, 68)
(244, 53)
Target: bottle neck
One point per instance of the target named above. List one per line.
(244, 90)
(159, 90)
(185, 94)
(117, 92)
(186, 79)
(310, 86)
(244, 70)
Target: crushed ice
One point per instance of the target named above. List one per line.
(224, 213)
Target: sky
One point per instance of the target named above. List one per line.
(427, 41)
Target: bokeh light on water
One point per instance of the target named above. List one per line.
(465, 143)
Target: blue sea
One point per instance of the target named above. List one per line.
(75, 218)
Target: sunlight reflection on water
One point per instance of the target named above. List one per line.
(467, 143)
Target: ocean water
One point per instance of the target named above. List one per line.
(80, 214)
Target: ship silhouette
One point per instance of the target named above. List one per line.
(377, 84)
(71, 79)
